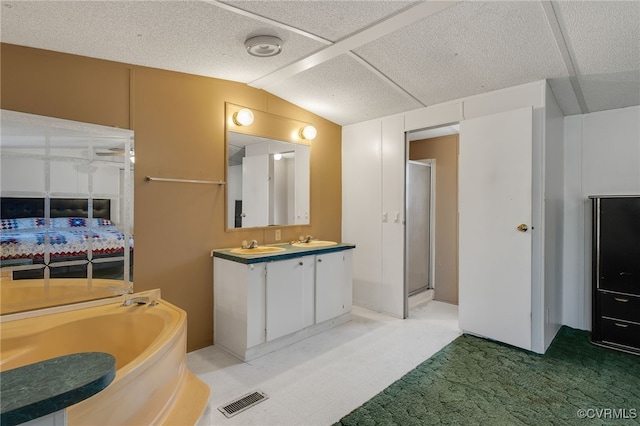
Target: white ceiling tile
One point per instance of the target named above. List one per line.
(187, 36)
(603, 36)
(331, 20)
(343, 92)
(471, 48)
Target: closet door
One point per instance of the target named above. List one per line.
(361, 209)
(495, 199)
(393, 294)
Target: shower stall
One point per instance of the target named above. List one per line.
(419, 226)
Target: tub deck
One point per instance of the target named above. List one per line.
(152, 384)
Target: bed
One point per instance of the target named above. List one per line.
(65, 243)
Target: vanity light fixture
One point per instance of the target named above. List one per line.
(277, 156)
(244, 117)
(308, 133)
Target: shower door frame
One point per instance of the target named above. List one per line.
(431, 163)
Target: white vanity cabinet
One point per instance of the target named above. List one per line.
(289, 296)
(274, 301)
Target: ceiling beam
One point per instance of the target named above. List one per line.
(367, 35)
(561, 42)
(269, 21)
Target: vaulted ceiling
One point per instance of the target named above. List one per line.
(350, 61)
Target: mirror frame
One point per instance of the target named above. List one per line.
(268, 126)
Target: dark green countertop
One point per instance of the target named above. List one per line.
(45, 387)
(289, 253)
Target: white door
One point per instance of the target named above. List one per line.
(255, 191)
(495, 195)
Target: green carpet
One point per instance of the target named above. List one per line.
(477, 381)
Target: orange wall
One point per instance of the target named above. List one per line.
(444, 150)
(178, 121)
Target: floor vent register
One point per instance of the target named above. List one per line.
(243, 403)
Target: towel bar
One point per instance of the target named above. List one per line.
(208, 182)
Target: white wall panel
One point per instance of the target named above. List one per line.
(22, 174)
(361, 207)
(602, 157)
(531, 94)
(553, 216)
(393, 183)
(431, 116)
(574, 303)
(611, 152)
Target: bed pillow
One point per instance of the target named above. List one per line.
(10, 225)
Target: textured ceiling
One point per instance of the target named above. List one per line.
(350, 61)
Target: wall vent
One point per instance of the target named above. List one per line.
(245, 402)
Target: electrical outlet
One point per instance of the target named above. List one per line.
(278, 235)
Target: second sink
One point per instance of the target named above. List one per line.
(314, 243)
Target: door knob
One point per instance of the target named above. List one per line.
(523, 228)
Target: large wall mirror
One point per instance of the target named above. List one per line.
(268, 178)
(66, 226)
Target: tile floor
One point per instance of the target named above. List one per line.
(321, 379)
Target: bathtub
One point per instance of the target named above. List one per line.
(152, 384)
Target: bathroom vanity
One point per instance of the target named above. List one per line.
(269, 300)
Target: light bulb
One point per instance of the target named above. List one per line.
(244, 117)
(308, 132)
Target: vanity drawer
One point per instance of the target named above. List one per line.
(620, 306)
(620, 332)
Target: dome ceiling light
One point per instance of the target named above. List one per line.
(263, 46)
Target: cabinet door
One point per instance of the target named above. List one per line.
(239, 304)
(289, 294)
(333, 285)
(619, 244)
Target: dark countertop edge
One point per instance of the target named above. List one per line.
(614, 196)
(42, 404)
(262, 258)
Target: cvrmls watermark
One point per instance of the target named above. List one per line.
(607, 413)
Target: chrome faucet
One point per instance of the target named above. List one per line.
(149, 297)
(253, 244)
(306, 239)
(140, 300)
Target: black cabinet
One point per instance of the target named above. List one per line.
(616, 272)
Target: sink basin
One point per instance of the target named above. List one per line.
(257, 250)
(314, 244)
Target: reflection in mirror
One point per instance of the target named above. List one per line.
(268, 177)
(267, 182)
(66, 226)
